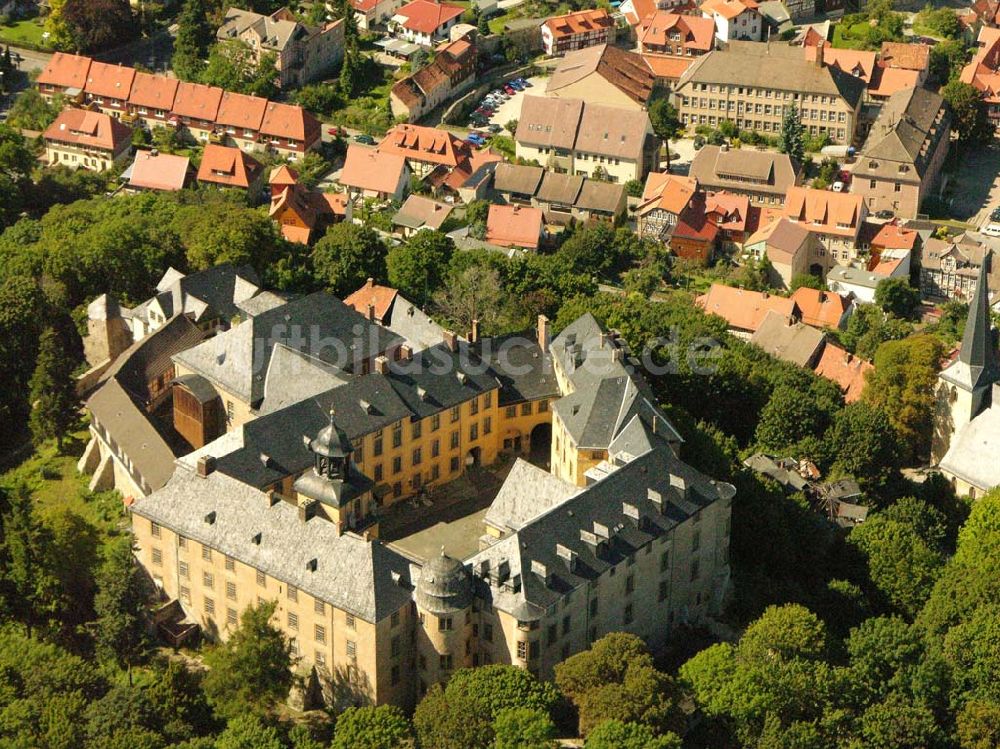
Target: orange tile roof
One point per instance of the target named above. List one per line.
(197, 101)
(372, 169)
(741, 308)
(287, 121)
(425, 16)
(111, 81)
(733, 210)
(667, 68)
(888, 81)
(908, 56)
(821, 309)
(66, 71)
(668, 192)
(728, 9)
(580, 22)
(82, 127)
(824, 211)
(845, 369)
(893, 237)
(375, 295)
(696, 32)
(514, 226)
(159, 171)
(427, 144)
(229, 166)
(153, 91)
(283, 175)
(857, 62)
(241, 111)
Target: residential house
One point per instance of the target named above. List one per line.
(302, 53)
(288, 130)
(732, 215)
(560, 196)
(239, 119)
(573, 31)
(949, 269)
(418, 212)
(822, 309)
(789, 340)
(696, 235)
(425, 22)
(451, 72)
(600, 201)
(635, 11)
(762, 176)
(225, 166)
(65, 75)
(906, 56)
(132, 447)
(744, 310)
(81, 139)
(735, 19)
(514, 226)
(983, 71)
(570, 135)
(857, 282)
(664, 198)
(302, 214)
(108, 87)
(151, 170)
(390, 309)
(669, 41)
(844, 368)
(151, 100)
(370, 13)
(604, 75)
(901, 159)
(517, 183)
(195, 108)
(372, 173)
(752, 84)
(834, 217)
(425, 148)
(791, 250)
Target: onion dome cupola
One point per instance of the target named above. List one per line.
(445, 586)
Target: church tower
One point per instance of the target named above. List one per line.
(965, 386)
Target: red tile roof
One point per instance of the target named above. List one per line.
(82, 127)
(696, 32)
(668, 192)
(425, 144)
(666, 67)
(728, 9)
(425, 16)
(283, 175)
(110, 81)
(66, 71)
(241, 111)
(893, 237)
(287, 121)
(372, 169)
(197, 101)
(845, 369)
(741, 308)
(821, 309)
(159, 171)
(908, 55)
(824, 211)
(228, 166)
(372, 294)
(514, 226)
(153, 91)
(580, 22)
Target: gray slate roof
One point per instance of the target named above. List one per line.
(901, 131)
(517, 178)
(351, 574)
(797, 343)
(527, 492)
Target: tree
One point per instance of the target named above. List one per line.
(31, 594)
(252, 669)
(885, 652)
(942, 21)
(903, 386)
(60, 34)
(233, 65)
(473, 294)
(120, 628)
(220, 232)
(249, 732)
(616, 679)
(665, 121)
(524, 728)
(462, 714)
(793, 134)
(194, 36)
(99, 24)
(615, 734)
(979, 725)
(869, 327)
(864, 445)
(787, 419)
(16, 163)
(52, 391)
(897, 297)
(382, 727)
(969, 118)
(808, 281)
(898, 723)
(32, 111)
(350, 72)
(347, 255)
(417, 267)
(322, 98)
(947, 58)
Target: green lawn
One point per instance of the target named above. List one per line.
(850, 37)
(29, 31)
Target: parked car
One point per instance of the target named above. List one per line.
(991, 230)
(516, 85)
(526, 82)
(995, 214)
(475, 138)
(365, 139)
(885, 213)
(494, 128)
(510, 90)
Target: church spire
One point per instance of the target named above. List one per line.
(977, 341)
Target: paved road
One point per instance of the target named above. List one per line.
(31, 60)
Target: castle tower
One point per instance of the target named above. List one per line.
(965, 385)
(444, 605)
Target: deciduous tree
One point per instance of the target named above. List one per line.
(969, 118)
(382, 727)
(417, 267)
(346, 256)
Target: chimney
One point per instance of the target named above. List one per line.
(381, 365)
(371, 313)
(405, 352)
(474, 332)
(206, 465)
(451, 341)
(543, 333)
(307, 510)
(273, 498)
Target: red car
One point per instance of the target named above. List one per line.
(510, 90)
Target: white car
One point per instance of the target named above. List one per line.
(838, 186)
(991, 230)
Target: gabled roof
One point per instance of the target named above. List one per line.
(579, 22)
(820, 308)
(197, 101)
(82, 127)
(887, 81)
(426, 16)
(790, 341)
(973, 450)
(743, 169)
(418, 212)
(229, 166)
(159, 171)
(624, 70)
(909, 121)
(287, 121)
(844, 368)
(367, 168)
(375, 295)
(153, 91)
(559, 188)
(744, 309)
(66, 71)
(728, 9)
(613, 132)
(527, 492)
(111, 81)
(667, 67)
(859, 63)
(824, 210)
(549, 123)
(908, 56)
(240, 110)
(667, 192)
(514, 226)
(596, 195)
(517, 178)
(782, 237)
(696, 32)
(428, 144)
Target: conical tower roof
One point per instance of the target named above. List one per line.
(332, 441)
(977, 342)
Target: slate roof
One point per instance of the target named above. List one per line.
(352, 574)
(523, 369)
(544, 543)
(797, 343)
(517, 178)
(908, 125)
(214, 291)
(559, 188)
(527, 492)
(237, 359)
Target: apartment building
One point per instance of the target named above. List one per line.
(642, 545)
(593, 140)
(735, 19)
(108, 87)
(572, 31)
(762, 176)
(835, 218)
(901, 159)
(81, 139)
(303, 53)
(752, 84)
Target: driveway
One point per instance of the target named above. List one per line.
(511, 109)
